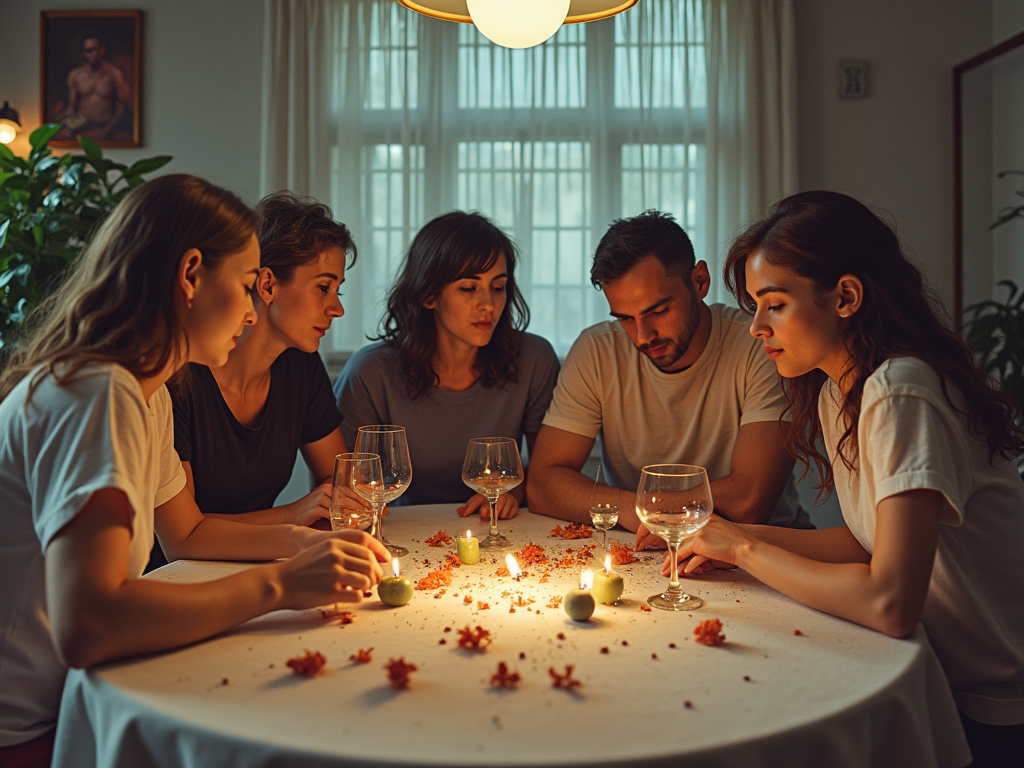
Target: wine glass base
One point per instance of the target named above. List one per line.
(495, 541)
(678, 601)
(394, 549)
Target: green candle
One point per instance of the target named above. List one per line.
(608, 584)
(579, 603)
(469, 549)
(395, 590)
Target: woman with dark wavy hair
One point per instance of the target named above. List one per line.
(88, 471)
(920, 450)
(453, 360)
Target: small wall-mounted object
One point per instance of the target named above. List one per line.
(10, 123)
(853, 79)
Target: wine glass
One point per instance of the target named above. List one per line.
(389, 442)
(348, 508)
(604, 506)
(674, 501)
(492, 467)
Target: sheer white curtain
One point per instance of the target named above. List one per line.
(683, 105)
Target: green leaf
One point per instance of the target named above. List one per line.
(41, 136)
(53, 198)
(37, 233)
(92, 151)
(20, 273)
(47, 163)
(148, 165)
(3, 232)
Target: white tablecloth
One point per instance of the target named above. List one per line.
(835, 695)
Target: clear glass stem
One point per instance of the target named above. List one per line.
(378, 522)
(605, 532)
(493, 501)
(673, 585)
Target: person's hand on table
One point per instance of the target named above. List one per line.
(647, 540)
(336, 570)
(506, 507)
(314, 506)
(713, 546)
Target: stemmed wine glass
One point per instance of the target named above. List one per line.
(604, 506)
(389, 442)
(348, 508)
(674, 501)
(492, 467)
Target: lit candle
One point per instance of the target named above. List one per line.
(513, 567)
(579, 603)
(608, 584)
(469, 549)
(395, 590)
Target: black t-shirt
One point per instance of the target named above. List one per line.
(242, 469)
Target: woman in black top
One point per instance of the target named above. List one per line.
(237, 428)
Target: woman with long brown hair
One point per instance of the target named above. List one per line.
(921, 452)
(88, 471)
(454, 360)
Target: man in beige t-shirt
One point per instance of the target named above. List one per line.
(670, 380)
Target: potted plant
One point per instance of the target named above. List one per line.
(49, 207)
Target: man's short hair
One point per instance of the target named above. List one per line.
(92, 35)
(628, 241)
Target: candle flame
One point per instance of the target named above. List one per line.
(394, 565)
(469, 534)
(608, 564)
(587, 579)
(513, 567)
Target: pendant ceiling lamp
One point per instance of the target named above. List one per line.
(519, 23)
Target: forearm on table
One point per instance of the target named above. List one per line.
(827, 545)
(565, 493)
(145, 616)
(850, 591)
(219, 539)
(272, 516)
(742, 500)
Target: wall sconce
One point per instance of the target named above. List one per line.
(519, 23)
(10, 123)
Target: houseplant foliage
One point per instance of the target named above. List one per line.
(995, 331)
(49, 207)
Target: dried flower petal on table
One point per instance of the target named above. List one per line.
(439, 539)
(502, 571)
(442, 577)
(467, 600)
(474, 639)
(503, 678)
(531, 554)
(555, 601)
(645, 607)
(308, 664)
(572, 531)
(364, 656)
(345, 618)
(797, 632)
(398, 673)
(621, 554)
(566, 680)
(709, 632)
(482, 606)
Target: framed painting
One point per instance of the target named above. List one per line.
(90, 82)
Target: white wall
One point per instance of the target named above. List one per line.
(202, 62)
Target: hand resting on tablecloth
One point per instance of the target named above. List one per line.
(507, 507)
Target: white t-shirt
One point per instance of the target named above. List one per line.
(646, 416)
(910, 437)
(96, 431)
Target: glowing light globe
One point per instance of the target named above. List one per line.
(518, 23)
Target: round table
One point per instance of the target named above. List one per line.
(790, 686)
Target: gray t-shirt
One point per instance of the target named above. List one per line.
(372, 390)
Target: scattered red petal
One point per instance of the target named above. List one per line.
(522, 655)
(566, 680)
(503, 678)
(654, 656)
(474, 639)
(345, 618)
(621, 554)
(561, 635)
(439, 539)
(688, 704)
(482, 606)
(645, 607)
(572, 531)
(447, 629)
(709, 632)
(797, 632)
(604, 649)
(398, 673)
(468, 600)
(442, 641)
(307, 665)
(531, 554)
(364, 656)
(224, 681)
(671, 645)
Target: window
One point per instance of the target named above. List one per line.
(604, 120)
